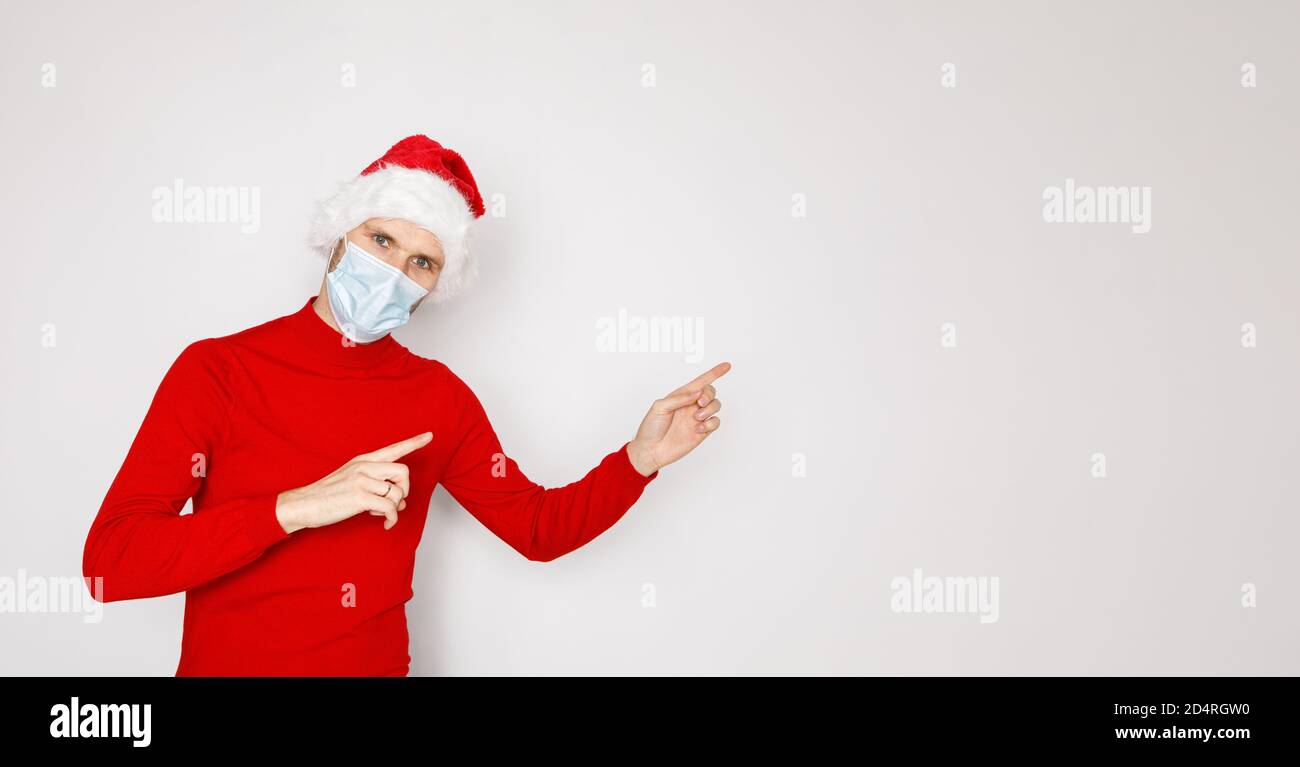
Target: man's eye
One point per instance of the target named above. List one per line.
(381, 240)
(423, 263)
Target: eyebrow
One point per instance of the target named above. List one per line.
(377, 230)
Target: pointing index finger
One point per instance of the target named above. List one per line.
(707, 377)
(396, 450)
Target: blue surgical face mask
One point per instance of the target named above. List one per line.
(369, 297)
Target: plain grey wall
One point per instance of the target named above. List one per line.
(656, 158)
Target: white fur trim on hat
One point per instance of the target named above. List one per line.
(420, 197)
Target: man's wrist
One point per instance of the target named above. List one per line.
(641, 461)
(284, 513)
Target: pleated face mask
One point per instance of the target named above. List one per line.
(369, 297)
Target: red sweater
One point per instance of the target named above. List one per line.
(239, 419)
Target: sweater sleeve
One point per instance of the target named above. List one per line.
(139, 544)
(541, 524)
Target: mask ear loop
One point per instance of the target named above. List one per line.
(334, 262)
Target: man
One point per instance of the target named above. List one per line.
(296, 436)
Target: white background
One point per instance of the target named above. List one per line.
(924, 206)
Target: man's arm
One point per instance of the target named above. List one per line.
(140, 543)
(541, 524)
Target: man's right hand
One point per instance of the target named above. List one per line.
(372, 482)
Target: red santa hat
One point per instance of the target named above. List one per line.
(418, 180)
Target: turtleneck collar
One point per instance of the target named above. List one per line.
(331, 346)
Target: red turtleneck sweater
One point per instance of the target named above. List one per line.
(238, 420)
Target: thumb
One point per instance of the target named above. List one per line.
(674, 401)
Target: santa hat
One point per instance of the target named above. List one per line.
(418, 180)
